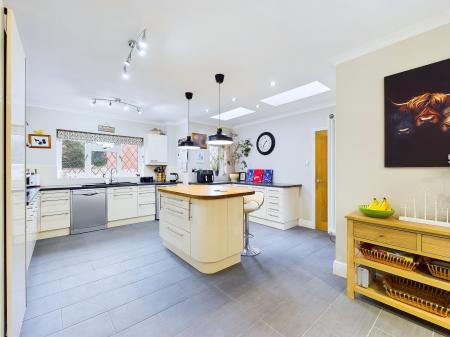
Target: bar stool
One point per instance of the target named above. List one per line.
(251, 203)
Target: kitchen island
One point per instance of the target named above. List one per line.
(203, 224)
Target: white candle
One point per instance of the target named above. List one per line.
(414, 207)
(447, 215)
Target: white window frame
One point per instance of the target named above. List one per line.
(91, 146)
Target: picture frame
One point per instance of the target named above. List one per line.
(242, 176)
(199, 139)
(37, 141)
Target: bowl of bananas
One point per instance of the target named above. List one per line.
(377, 209)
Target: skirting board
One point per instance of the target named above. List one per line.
(278, 225)
(53, 234)
(130, 221)
(340, 269)
(306, 223)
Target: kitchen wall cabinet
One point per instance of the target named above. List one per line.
(122, 203)
(155, 149)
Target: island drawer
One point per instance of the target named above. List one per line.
(176, 216)
(380, 234)
(174, 201)
(176, 237)
(436, 245)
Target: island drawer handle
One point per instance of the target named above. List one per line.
(171, 230)
(175, 211)
(47, 200)
(46, 215)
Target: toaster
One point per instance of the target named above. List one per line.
(205, 176)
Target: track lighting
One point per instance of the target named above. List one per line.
(109, 103)
(140, 44)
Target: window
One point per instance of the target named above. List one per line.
(92, 157)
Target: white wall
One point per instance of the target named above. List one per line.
(44, 160)
(293, 157)
(360, 171)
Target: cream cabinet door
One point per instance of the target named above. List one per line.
(122, 203)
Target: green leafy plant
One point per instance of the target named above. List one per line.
(239, 151)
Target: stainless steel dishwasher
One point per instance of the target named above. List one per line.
(88, 210)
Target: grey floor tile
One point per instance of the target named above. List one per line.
(379, 333)
(42, 325)
(186, 312)
(349, 318)
(260, 329)
(319, 331)
(98, 326)
(43, 290)
(42, 306)
(145, 307)
(401, 326)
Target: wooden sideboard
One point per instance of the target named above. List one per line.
(423, 240)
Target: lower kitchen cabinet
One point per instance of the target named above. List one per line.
(54, 213)
(32, 226)
(122, 203)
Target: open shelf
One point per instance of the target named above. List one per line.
(377, 292)
(416, 275)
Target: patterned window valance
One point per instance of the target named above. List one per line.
(97, 137)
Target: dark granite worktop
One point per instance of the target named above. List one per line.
(281, 185)
(101, 185)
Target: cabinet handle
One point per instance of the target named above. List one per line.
(273, 209)
(47, 200)
(118, 195)
(179, 234)
(175, 211)
(46, 215)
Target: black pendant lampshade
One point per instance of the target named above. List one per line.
(219, 138)
(188, 144)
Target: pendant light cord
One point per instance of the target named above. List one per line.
(219, 105)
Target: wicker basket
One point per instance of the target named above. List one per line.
(390, 260)
(439, 271)
(419, 295)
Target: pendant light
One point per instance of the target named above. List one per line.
(219, 138)
(188, 144)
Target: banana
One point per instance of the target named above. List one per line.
(382, 205)
(373, 204)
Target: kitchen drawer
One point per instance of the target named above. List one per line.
(274, 192)
(122, 190)
(146, 209)
(174, 201)
(273, 203)
(176, 216)
(274, 213)
(122, 205)
(145, 198)
(392, 237)
(55, 221)
(176, 237)
(55, 195)
(146, 189)
(49, 206)
(436, 245)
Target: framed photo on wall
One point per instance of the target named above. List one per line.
(39, 141)
(417, 116)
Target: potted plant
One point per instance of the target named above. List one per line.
(239, 151)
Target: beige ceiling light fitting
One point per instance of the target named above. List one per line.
(109, 101)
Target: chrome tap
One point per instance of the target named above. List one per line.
(110, 181)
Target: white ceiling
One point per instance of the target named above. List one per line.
(76, 49)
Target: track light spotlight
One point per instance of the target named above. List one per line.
(128, 60)
(110, 104)
(125, 74)
(142, 40)
(93, 102)
(126, 108)
(117, 102)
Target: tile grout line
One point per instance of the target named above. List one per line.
(320, 316)
(152, 292)
(373, 324)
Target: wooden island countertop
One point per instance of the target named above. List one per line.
(207, 191)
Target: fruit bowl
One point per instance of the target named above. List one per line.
(373, 213)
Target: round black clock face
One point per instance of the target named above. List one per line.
(265, 143)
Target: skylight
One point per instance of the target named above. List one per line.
(234, 113)
(304, 91)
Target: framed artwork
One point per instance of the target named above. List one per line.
(417, 117)
(242, 176)
(199, 139)
(268, 176)
(39, 141)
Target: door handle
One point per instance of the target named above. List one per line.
(317, 181)
(90, 194)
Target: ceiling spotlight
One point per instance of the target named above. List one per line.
(128, 60)
(125, 74)
(206, 110)
(139, 111)
(142, 40)
(93, 102)
(257, 106)
(233, 99)
(126, 108)
(141, 51)
(110, 104)
(273, 83)
(117, 102)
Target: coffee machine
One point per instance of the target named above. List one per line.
(205, 176)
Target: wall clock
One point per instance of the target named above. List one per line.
(265, 143)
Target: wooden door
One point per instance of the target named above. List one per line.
(321, 175)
